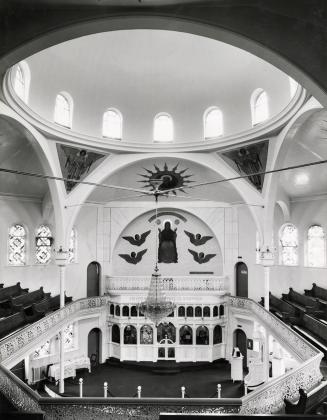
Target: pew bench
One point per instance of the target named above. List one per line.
(317, 292)
(11, 291)
(304, 304)
(26, 300)
(311, 338)
(11, 323)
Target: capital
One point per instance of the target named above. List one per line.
(267, 257)
(61, 257)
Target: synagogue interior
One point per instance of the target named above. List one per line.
(163, 202)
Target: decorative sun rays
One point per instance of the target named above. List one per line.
(171, 178)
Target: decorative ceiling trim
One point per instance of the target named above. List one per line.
(60, 134)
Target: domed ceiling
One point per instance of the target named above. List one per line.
(145, 72)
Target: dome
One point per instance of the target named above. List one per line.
(144, 73)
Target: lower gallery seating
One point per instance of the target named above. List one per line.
(19, 307)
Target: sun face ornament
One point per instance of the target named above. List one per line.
(170, 178)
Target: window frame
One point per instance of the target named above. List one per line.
(280, 250)
(70, 103)
(205, 116)
(119, 114)
(24, 263)
(163, 114)
(254, 100)
(26, 77)
(306, 251)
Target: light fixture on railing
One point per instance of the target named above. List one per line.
(156, 306)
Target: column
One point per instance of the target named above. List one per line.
(122, 327)
(61, 261)
(267, 261)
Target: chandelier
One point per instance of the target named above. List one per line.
(156, 306)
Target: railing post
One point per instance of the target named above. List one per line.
(245, 388)
(80, 387)
(105, 389)
(183, 391)
(218, 390)
(139, 390)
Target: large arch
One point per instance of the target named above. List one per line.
(115, 163)
(302, 56)
(44, 153)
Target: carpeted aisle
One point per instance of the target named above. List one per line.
(123, 382)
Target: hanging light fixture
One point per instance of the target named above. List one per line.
(156, 306)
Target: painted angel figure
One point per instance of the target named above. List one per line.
(197, 239)
(200, 257)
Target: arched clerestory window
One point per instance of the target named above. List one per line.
(112, 124)
(288, 244)
(213, 123)
(43, 242)
(17, 245)
(163, 128)
(316, 246)
(63, 113)
(21, 82)
(259, 106)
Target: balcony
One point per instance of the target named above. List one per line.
(116, 285)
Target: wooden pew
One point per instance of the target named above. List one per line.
(26, 300)
(314, 331)
(41, 308)
(5, 295)
(305, 304)
(55, 302)
(317, 292)
(7, 292)
(11, 323)
(282, 309)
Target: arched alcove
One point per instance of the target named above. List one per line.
(93, 279)
(241, 279)
(94, 346)
(240, 341)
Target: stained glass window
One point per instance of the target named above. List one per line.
(72, 247)
(146, 334)
(163, 129)
(213, 123)
(43, 242)
(259, 105)
(288, 239)
(63, 110)
(112, 125)
(17, 245)
(316, 248)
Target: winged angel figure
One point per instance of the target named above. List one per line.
(133, 258)
(200, 257)
(197, 239)
(137, 240)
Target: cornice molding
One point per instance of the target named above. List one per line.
(60, 134)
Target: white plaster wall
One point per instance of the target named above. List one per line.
(186, 262)
(32, 275)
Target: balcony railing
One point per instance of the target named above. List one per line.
(267, 398)
(189, 283)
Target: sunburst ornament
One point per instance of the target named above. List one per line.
(170, 178)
